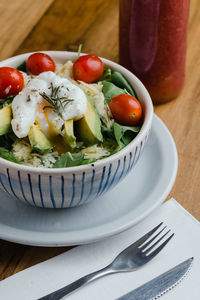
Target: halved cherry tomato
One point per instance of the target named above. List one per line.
(40, 62)
(88, 68)
(11, 82)
(126, 109)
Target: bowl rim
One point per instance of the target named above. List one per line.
(141, 135)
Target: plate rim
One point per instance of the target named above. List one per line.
(16, 235)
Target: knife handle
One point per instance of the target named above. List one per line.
(59, 294)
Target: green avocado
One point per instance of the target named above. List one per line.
(38, 140)
(69, 137)
(89, 127)
(5, 119)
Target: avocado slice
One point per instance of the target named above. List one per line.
(38, 140)
(69, 137)
(89, 127)
(5, 119)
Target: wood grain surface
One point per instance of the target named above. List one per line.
(18, 17)
(64, 26)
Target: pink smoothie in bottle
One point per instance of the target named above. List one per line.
(153, 39)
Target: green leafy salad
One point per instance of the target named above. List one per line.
(62, 115)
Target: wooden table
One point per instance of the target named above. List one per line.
(27, 25)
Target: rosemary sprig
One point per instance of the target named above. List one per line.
(57, 103)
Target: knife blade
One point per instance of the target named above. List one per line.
(161, 284)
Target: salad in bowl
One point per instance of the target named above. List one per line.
(57, 115)
(71, 127)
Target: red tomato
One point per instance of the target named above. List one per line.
(88, 68)
(11, 82)
(40, 62)
(126, 109)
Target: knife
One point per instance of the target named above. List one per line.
(161, 284)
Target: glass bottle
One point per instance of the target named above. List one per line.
(153, 40)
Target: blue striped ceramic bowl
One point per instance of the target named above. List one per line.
(60, 188)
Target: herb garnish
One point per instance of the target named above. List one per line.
(56, 102)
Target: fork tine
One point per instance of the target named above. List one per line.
(146, 236)
(156, 251)
(151, 240)
(152, 246)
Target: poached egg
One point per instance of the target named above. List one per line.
(30, 107)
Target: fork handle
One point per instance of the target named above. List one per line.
(59, 294)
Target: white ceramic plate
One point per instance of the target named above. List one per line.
(132, 200)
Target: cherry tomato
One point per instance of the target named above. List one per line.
(11, 82)
(40, 62)
(126, 109)
(88, 68)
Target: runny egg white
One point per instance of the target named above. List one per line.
(30, 107)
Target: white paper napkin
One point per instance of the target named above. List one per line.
(55, 273)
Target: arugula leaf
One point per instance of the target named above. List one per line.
(7, 101)
(72, 159)
(22, 67)
(106, 131)
(88, 161)
(118, 79)
(106, 74)
(124, 134)
(7, 140)
(110, 90)
(69, 160)
(6, 154)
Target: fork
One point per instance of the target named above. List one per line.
(130, 259)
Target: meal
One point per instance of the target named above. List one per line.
(58, 116)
